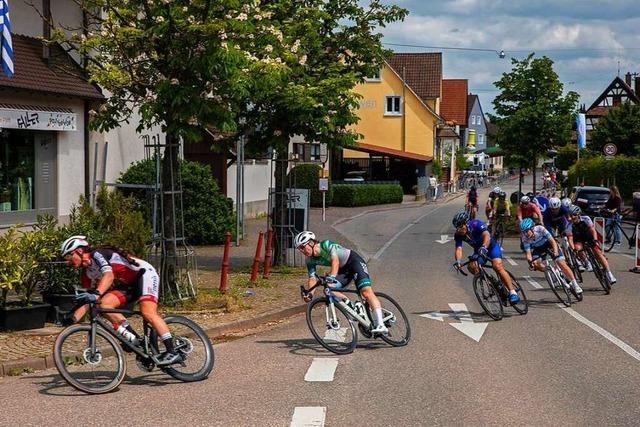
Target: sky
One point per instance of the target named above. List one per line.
(586, 39)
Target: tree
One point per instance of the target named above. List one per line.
(531, 111)
(621, 126)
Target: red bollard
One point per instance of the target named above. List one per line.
(256, 259)
(267, 255)
(224, 274)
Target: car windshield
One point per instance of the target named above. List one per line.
(593, 195)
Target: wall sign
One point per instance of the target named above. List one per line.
(37, 120)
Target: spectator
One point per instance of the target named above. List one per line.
(613, 208)
(433, 183)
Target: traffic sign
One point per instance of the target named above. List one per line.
(323, 184)
(610, 149)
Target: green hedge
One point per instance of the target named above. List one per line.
(306, 176)
(366, 194)
(624, 171)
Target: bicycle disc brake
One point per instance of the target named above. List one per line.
(91, 359)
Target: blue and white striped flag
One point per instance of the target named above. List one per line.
(5, 36)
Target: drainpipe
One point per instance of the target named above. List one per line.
(404, 113)
(87, 176)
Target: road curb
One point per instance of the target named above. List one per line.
(40, 363)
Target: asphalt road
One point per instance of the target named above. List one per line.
(550, 367)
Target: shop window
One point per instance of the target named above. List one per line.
(17, 171)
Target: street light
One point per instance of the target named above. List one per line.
(500, 53)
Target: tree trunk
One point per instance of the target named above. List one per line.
(171, 227)
(534, 174)
(279, 209)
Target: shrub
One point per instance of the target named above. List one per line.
(436, 168)
(208, 214)
(306, 176)
(366, 194)
(623, 171)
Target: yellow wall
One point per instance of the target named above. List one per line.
(386, 131)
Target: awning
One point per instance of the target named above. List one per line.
(33, 117)
(375, 149)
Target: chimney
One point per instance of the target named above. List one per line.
(627, 79)
(637, 85)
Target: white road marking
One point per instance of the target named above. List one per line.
(467, 325)
(533, 282)
(510, 260)
(617, 341)
(399, 233)
(308, 416)
(435, 315)
(444, 238)
(322, 369)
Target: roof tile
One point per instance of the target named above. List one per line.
(422, 72)
(453, 106)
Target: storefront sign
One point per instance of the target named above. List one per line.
(37, 120)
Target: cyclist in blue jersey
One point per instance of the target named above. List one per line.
(556, 216)
(345, 265)
(541, 201)
(475, 233)
(536, 240)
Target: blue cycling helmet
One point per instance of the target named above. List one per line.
(460, 219)
(526, 224)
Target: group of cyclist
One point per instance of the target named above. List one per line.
(538, 219)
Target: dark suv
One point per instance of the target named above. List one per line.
(590, 199)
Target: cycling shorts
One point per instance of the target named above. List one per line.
(146, 289)
(495, 251)
(546, 249)
(354, 269)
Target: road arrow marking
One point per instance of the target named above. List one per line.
(435, 315)
(444, 238)
(467, 325)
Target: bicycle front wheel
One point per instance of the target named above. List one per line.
(94, 368)
(499, 232)
(488, 297)
(331, 326)
(193, 344)
(395, 320)
(559, 289)
(610, 236)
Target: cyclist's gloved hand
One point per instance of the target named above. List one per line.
(85, 297)
(457, 265)
(531, 265)
(331, 279)
(483, 252)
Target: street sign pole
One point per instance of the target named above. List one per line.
(323, 185)
(323, 205)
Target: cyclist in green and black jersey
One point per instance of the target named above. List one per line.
(345, 265)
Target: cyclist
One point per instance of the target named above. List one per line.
(475, 233)
(584, 233)
(501, 206)
(536, 240)
(346, 265)
(472, 201)
(556, 216)
(528, 209)
(566, 202)
(488, 207)
(118, 278)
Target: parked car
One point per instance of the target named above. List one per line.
(355, 176)
(590, 199)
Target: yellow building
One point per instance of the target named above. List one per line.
(398, 118)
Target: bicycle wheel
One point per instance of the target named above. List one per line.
(499, 232)
(488, 297)
(193, 343)
(98, 371)
(598, 271)
(521, 307)
(395, 320)
(572, 260)
(559, 289)
(336, 332)
(610, 236)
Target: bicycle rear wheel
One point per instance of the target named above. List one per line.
(522, 306)
(488, 297)
(333, 329)
(193, 344)
(609, 232)
(93, 369)
(598, 271)
(395, 320)
(559, 289)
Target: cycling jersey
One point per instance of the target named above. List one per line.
(530, 210)
(133, 281)
(539, 239)
(558, 220)
(475, 237)
(351, 264)
(473, 197)
(501, 207)
(582, 230)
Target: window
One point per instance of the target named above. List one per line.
(315, 153)
(473, 120)
(375, 77)
(17, 171)
(307, 152)
(393, 106)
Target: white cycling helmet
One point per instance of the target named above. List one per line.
(525, 199)
(303, 238)
(73, 243)
(566, 202)
(555, 203)
(497, 190)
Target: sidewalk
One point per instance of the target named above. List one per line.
(27, 351)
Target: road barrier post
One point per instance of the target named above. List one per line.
(636, 268)
(256, 259)
(267, 255)
(224, 273)
(599, 224)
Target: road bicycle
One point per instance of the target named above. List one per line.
(90, 356)
(332, 321)
(491, 293)
(598, 268)
(497, 228)
(556, 280)
(571, 256)
(624, 228)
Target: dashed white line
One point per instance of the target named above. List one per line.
(322, 369)
(309, 416)
(511, 261)
(617, 341)
(533, 282)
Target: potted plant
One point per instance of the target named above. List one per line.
(19, 272)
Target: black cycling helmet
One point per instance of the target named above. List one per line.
(460, 218)
(575, 210)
